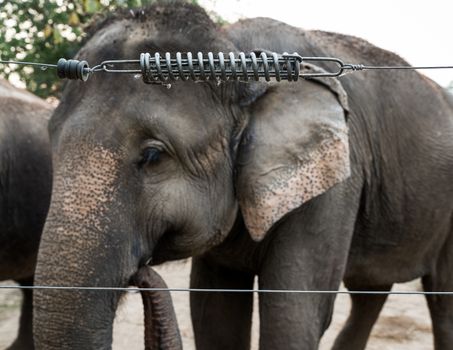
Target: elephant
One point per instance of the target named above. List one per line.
(303, 184)
(25, 187)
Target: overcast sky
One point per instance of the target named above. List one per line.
(419, 31)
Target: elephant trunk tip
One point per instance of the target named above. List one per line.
(161, 325)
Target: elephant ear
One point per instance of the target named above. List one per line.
(294, 148)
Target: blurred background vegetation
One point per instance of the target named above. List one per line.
(46, 30)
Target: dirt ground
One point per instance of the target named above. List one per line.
(404, 323)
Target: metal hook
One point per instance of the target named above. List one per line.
(337, 61)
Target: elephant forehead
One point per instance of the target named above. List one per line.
(186, 115)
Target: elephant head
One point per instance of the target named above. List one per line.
(143, 173)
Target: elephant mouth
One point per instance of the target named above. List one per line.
(173, 245)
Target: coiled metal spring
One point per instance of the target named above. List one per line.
(158, 69)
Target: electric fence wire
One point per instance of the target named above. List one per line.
(223, 290)
(168, 68)
(162, 69)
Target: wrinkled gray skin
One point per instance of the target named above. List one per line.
(25, 186)
(143, 171)
(161, 325)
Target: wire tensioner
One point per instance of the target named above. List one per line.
(220, 67)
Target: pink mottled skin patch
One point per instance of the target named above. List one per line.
(82, 191)
(90, 185)
(294, 185)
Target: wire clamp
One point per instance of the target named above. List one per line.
(73, 69)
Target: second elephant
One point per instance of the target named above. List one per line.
(25, 186)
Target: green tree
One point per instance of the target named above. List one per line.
(44, 31)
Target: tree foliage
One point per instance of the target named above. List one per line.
(44, 31)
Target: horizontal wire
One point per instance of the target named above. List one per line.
(354, 67)
(216, 290)
(405, 67)
(29, 63)
(345, 66)
(134, 289)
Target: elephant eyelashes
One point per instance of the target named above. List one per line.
(150, 155)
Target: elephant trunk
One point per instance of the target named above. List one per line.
(75, 318)
(161, 326)
(87, 241)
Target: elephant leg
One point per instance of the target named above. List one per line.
(309, 251)
(441, 306)
(24, 340)
(365, 310)
(220, 320)
(294, 321)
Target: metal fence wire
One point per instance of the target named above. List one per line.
(220, 290)
(163, 69)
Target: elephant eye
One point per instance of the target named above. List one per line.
(150, 155)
